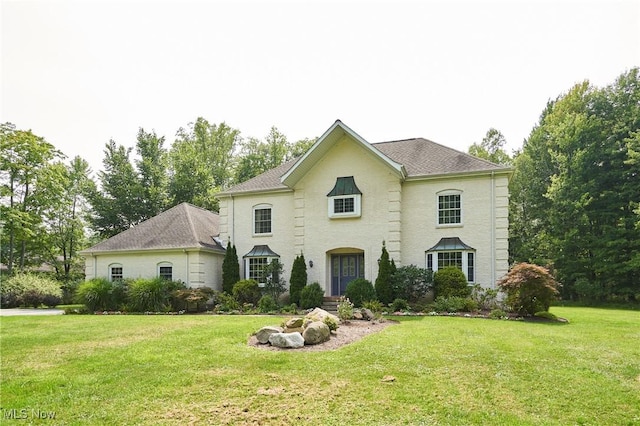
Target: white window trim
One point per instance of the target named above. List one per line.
(246, 266)
(465, 262)
(357, 206)
(164, 265)
(110, 268)
(449, 192)
(253, 220)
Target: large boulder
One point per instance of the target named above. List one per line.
(293, 325)
(316, 332)
(367, 314)
(263, 334)
(320, 314)
(287, 340)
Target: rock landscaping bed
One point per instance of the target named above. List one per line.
(312, 333)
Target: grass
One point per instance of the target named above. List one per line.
(448, 371)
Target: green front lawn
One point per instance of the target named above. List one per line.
(199, 370)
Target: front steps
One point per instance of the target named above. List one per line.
(330, 304)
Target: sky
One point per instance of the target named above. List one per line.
(80, 73)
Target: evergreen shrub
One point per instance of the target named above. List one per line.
(247, 291)
(311, 296)
(359, 291)
(450, 281)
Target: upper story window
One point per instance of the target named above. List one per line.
(449, 208)
(345, 199)
(262, 219)
(116, 272)
(165, 271)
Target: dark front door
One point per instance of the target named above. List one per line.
(344, 269)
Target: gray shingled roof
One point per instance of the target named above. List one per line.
(420, 158)
(183, 226)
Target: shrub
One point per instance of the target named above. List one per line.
(266, 304)
(29, 290)
(359, 291)
(247, 291)
(230, 268)
(331, 323)
(51, 300)
(498, 314)
(486, 298)
(529, 288)
(311, 296)
(226, 302)
(450, 304)
(547, 315)
(399, 305)
(191, 299)
(100, 294)
(298, 279)
(450, 281)
(274, 284)
(383, 280)
(411, 283)
(373, 305)
(345, 309)
(150, 295)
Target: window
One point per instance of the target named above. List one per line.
(165, 271)
(450, 258)
(344, 205)
(449, 209)
(344, 199)
(452, 252)
(115, 272)
(255, 261)
(256, 265)
(262, 219)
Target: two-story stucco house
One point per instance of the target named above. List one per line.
(432, 206)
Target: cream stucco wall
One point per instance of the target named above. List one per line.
(403, 214)
(484, 203)
(194, 268)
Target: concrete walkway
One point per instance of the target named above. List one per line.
(29, 311)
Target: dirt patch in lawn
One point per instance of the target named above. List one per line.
(347, 333)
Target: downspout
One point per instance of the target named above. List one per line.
(233, 219)
(186, 254)
(493, 231)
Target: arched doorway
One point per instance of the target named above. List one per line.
(346, 266)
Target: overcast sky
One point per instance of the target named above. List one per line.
(82, 72)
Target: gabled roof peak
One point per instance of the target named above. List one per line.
(329, 138)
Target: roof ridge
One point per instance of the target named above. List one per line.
(190, 220)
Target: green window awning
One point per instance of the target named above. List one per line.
(450, 244)
(261, 251)
(344, 186)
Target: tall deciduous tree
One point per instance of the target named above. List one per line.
(63, 192)
(201, 163)
(492, 148)
(257, 157)
(575, 191)
(22, 155)
(152, 166)
(117, 205)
